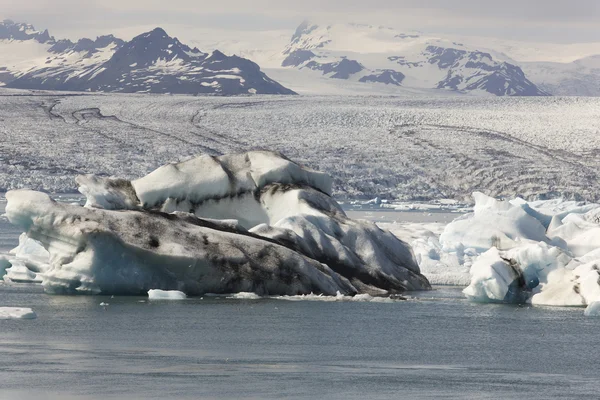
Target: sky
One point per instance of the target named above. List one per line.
(552, 21)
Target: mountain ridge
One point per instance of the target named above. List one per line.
(365, 53)
(152, 62)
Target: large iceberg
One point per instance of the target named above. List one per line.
(253, 222)
(542, 252)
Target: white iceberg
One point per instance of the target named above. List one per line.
(544, 252)
(593, 310)
(157, 294)
(253, 222)
(17, 313)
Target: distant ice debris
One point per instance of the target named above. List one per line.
(252, 222)
(244, 296)
(17, 313)
(446, 205)
(339, 297)
(157, 294)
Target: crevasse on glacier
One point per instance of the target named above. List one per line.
(252, 222)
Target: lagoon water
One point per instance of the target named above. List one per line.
(435, 345)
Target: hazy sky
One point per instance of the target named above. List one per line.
(532, 20)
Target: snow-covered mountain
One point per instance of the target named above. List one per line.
(374, 54)
(152, 62)
(578, 78)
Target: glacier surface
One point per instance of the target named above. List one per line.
(406, 148)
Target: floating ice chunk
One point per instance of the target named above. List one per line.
(493, 223)
(511, 276)
(338, 298)
(17, 313)
(130, 252)
(492, 278)
(244, 222)
(593, 310)
(157, 294)
(244, 296)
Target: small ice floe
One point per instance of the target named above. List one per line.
(593, 310)
(340, 297)
(244, 296)
(157, 294)
(17, 313)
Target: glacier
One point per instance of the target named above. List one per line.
(251, 222)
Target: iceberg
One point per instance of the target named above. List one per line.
(17, 313)
(253, 222)
(593, 310)
(542, 252)
(157, 294)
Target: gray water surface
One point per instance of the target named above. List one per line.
(436, 345)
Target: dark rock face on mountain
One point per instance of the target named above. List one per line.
(297, 58)
(341, 70)
(86, 45)
(152, 62)
(509, 80)
(388, 76)
(10, 30)
(499, 78)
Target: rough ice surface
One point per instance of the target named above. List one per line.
(157, 294)
(17, 313)
(252, 222)
(543, 252)
(406, 147)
